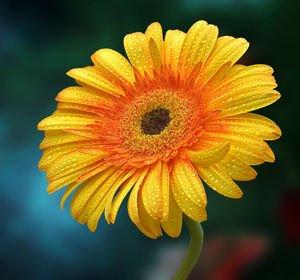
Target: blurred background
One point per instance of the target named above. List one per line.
(256, 237)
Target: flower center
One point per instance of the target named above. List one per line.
(154, 122)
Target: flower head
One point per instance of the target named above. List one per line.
(177, 114)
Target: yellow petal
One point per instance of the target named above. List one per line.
(68, 179)
(210, 156)
(133, 207)
(174, 223)
(53, 138)
(147, 222)
(227, 49)
(198, 44)
(187, 206)
(245, 139)
(55, 122)
(187, 180)
(70, 112)
(239, 72)
(104, 203)
(225, 71)
(137, 50)
(89, 76)
(132, 201)
(242, 87)
(248, 103)
(71, 162)
(113, 66)
(145, 231)
(219, 181)
(108, 206)
(97, 168)
(154, 31)
(84, 131)
(154, 37)
(83, 95)
(173, 43)
(93, 219)
(126, 187)
(76, 109)
(237, 169)
(155, 192)
(251, 141)
(252, 124)
(248, 154)
(52, 153)
(155, 54)
(88, 189)
(99, 194)
(67, 192)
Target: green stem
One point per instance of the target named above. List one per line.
(193, 251)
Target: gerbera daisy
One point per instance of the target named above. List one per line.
(158, 126)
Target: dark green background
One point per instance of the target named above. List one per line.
(39, 42)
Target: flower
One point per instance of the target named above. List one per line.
(156, 127)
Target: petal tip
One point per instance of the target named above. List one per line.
(70, 73)
(50, 189)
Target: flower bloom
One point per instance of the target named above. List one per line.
(158, 126)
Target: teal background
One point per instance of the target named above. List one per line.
(256, 237)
